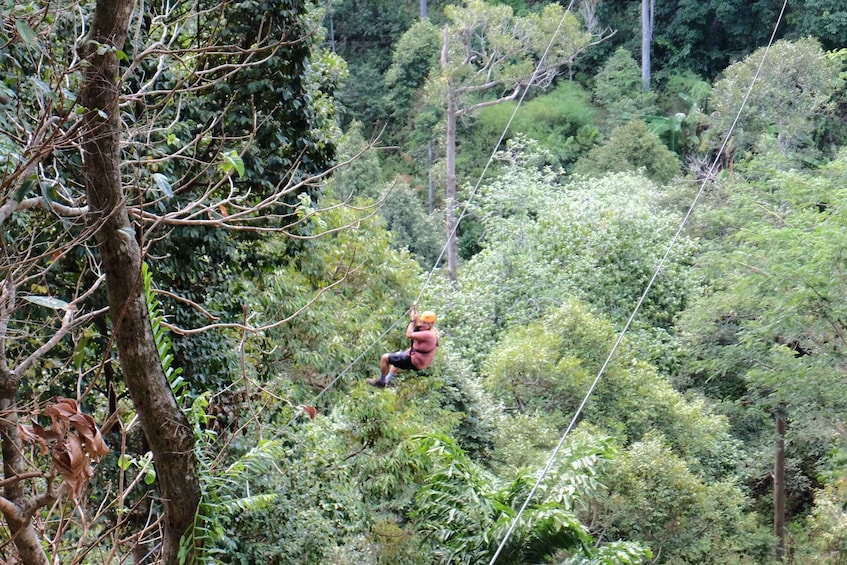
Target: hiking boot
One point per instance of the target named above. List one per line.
(376, 382)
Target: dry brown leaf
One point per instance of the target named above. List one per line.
(93, 443)
(72, 464)
(29, 435)
(49, 436)
(73, 450)
(60, 412)
(63, 407)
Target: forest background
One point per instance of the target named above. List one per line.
(629, 217)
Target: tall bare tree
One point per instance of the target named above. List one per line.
(647, 11)
(490, 56)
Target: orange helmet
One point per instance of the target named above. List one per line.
(428, 317)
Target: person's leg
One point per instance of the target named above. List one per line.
(385, 369)
(389, 365)
(384, 366)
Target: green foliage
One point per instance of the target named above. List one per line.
(396, 476)
(384, 424)
(162, 338)
(777, 293)
(490, 56)
(701, 36)
(524, 439)
(461, 393)
(226, 497)
(680, 131)
(314, 510)
(682, 92)
(200, 544)
(346, 288)
(201, 265)
(705, 36)
(268, 90)
(825, 20)
(825, 526)
(618, 92)
(561, 121)
(413, 228)
(365, 92)
(364, 33)
(506, 48)
(222, 496)
(598, 240)
(298, 70)
(767, 329)
(631, 147)
(469, 511)
(548, 366)
(614, 553)
(790, 100)
(415, 56)
(362, 177)
(684, 99)
(655, 499)
(834, 132)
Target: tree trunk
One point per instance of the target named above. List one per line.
(27, 541)
(430, 180)
(450, 150)
(452, 245)
(331, 32)
(779, 483)
(646, 41)
(166, 427)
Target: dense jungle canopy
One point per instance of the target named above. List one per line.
(629, 217)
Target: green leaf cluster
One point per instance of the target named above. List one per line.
(545, 241)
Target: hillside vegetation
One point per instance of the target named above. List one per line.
(217, 216)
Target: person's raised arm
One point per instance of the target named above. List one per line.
(413, 316)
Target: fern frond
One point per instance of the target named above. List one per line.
(222, 498)
(258, 461)
(161, 338)
(246, 504)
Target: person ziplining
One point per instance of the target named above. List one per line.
(421, 330)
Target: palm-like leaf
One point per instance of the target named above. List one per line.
(469, 512)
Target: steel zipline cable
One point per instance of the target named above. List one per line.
(708, 176)
(458, 220)
(622, 333)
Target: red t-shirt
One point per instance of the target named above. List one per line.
(423, 348)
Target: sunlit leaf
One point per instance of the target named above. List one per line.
(48, 302)
(125, 462)
(163, 184)
(232, 161)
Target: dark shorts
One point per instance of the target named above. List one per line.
(401, 360)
